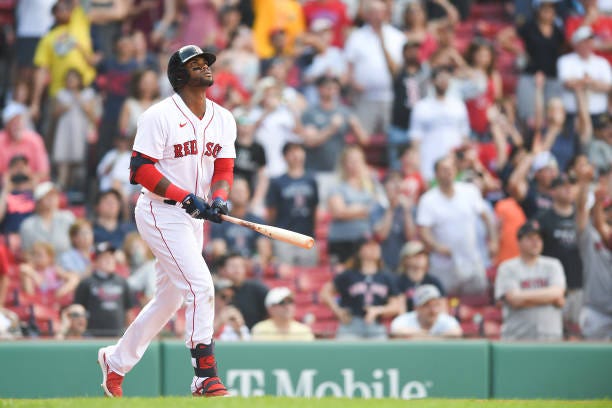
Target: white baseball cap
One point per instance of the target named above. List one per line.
(581, 34)
(43, 189)
(424, 294)
(320, 24)
(543, 160)
(11, 110)
(277, 295)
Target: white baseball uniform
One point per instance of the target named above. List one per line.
(186, 148)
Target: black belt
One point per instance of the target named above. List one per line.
(169, 202)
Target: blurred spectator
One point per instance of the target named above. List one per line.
(34, 19)
(480, 57)
(48, 223)
(410, 84)
(73, 323)
(349, 204)
(229, 24)
(428, 320)
(77, 259)
(116, 72)
(509, 217)
(583, 70)
(321, 59)
(332, 10)
(144, 92)
(249, 295)
(4, 271)
(438, 124)
(108, 226)
(558, 232)
(112, 167)
(412, 18)
(274, 15)
(531, 288)
(17, 196)
(67, 46)
(600, 148)
(198, 23)
(250, 162)
(285, 72)
(325, 127)
(43, 278)
(105, 295)
(413, 271)
(146, 59)
(367, 293)
(106, 19)
(543, 45)
(281, 325)
(140, 259)
(245, 64)
(598, 21)
(228, 90)
(292, 204)
(229, 323)
(154, 18)
(227, 237)
(413, 184)
(447, 217)
(16, 140)
(9, 325)
(393, 225)
(470, 169)
(375, 47)
(77, 115)
(530, 182)
(273, 117)
(596, 313)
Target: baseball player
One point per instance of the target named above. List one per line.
(184, 150)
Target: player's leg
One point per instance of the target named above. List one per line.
(117, 360)
(180, 252)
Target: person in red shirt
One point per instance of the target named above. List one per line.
(600, 23)
(333, 10)
(412, 185)
(17, 140)
(228, 90)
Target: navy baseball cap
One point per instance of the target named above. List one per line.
(529, 227)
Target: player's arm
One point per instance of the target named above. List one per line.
(144, 172)
(220, 186)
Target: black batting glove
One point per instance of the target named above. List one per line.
(219, 207)
(196, 207)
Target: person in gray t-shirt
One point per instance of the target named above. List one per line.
(532, 289)
(596, 314)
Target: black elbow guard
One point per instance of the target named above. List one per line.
(137, 160)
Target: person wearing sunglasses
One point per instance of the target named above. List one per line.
(282, 324)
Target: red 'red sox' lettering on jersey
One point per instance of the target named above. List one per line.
(185, 149)
(212, 149)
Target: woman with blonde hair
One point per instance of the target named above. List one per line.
(350, 203)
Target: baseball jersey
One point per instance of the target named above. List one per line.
(184, 145)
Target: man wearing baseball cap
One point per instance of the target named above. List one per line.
(531, 288)
(428, 320)
(583, 71)
(558, 230)
(530, 182)
(282, 324)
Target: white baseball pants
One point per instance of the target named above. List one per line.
(176, 240)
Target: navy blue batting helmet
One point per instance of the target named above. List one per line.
(177, 73)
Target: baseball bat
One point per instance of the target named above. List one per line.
(290, 237)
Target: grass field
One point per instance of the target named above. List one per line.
(274, 402)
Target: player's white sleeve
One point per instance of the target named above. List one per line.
(228, 149)
(151, 134)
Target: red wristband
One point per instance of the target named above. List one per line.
(176, 193)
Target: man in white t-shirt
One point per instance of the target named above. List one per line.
(439, 123)
(447, 218)
(428, 320)
(582, 70)
(373, 52)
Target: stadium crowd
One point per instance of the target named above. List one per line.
(452, 158)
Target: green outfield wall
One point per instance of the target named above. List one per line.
(453, 369)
